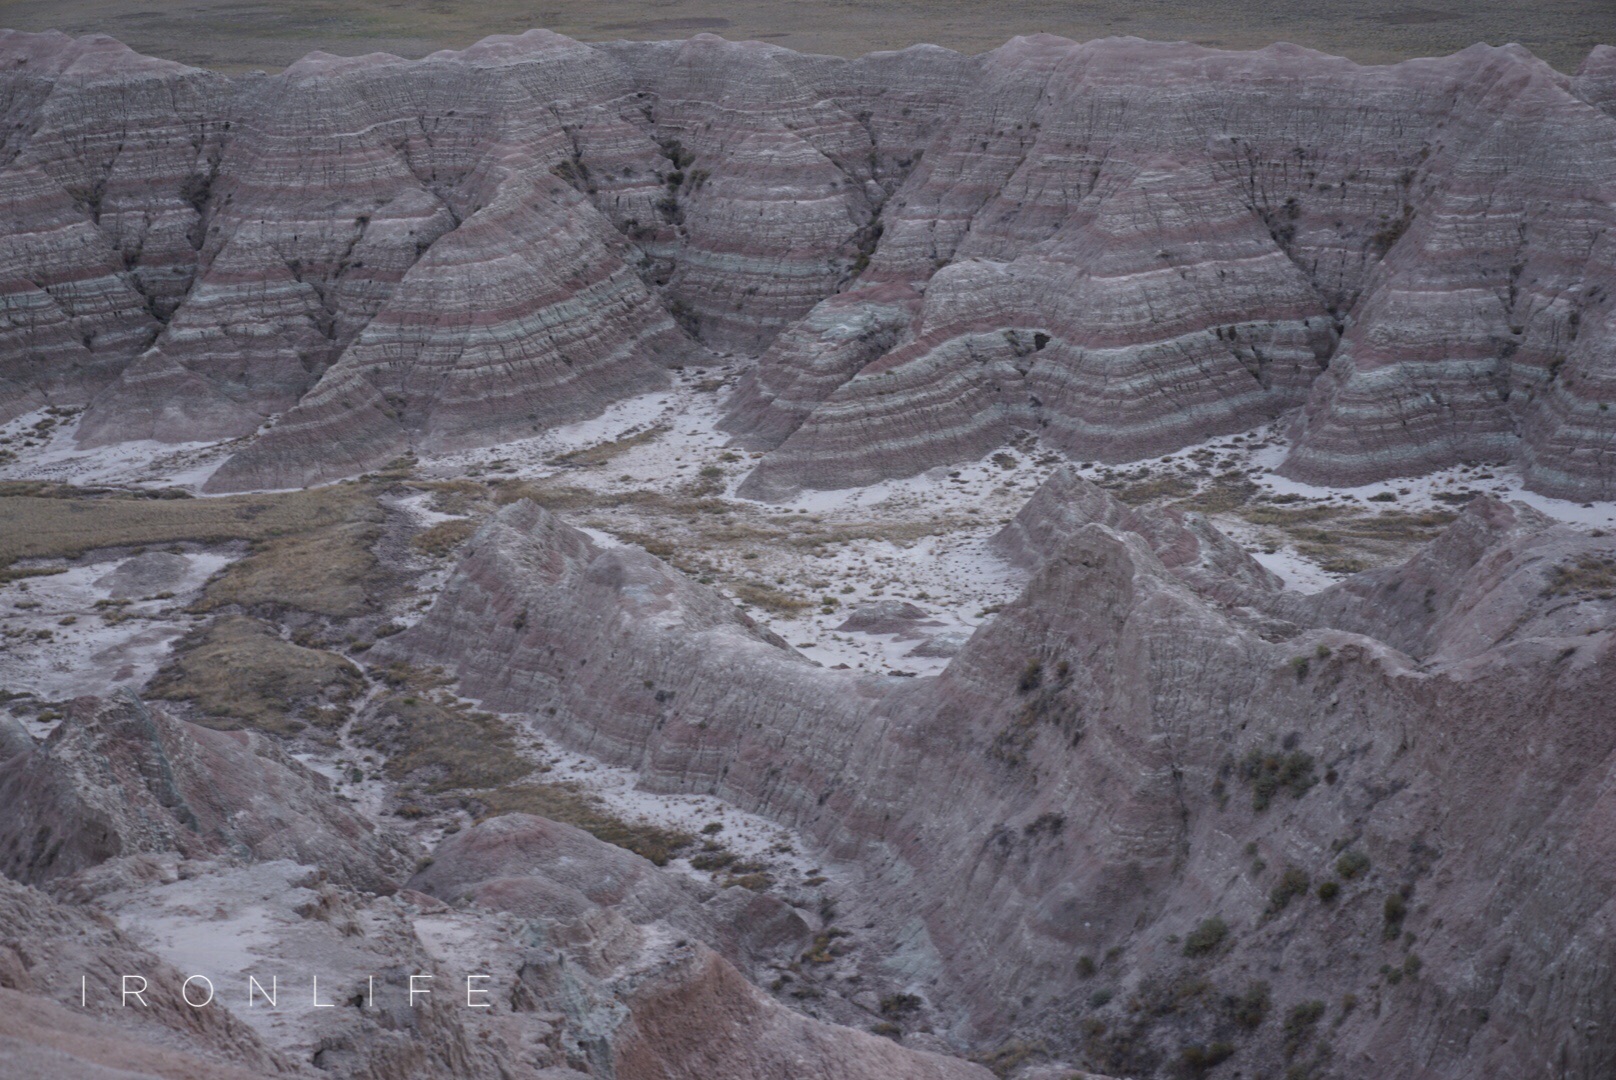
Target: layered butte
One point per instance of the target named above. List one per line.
(1154, 741)
(1122, 246)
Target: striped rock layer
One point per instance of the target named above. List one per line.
(1127, 247)
(1120, 245)
(1085, 779)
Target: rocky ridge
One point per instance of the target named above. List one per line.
(593, 954)
(1122, 246)
(1068, 801)
(1158, 814)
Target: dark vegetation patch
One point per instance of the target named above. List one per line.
(1292, 883)
(1343, 539)
(1206, 938)
(601, 453)
(1162, 487)
(1223, 495)
(769, 598)
(1588, 573)
(441, 539)
(237, 672)
(324, 571)
(39, 520)
(1268, 773)
(571, 805)
(437, 747)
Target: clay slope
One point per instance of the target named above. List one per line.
(117, 778)
(104, 159)
(1123, 246)
(674, 1009)
(1128, 246)
(1127, 782)
(597, 960)
(47, 1029)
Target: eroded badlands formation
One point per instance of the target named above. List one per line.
(1122, 246)
(1093, 776)
(731, 646)
(1161, 815)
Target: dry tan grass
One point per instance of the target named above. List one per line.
(1344, 539)
(770, 598)
(1399, 525)
(1163, 487)
(604, 452)
(455, 496)
(1287, 517)
(569, 804)
(440, 747)
(660, 546)
(812, 535)
(1588, 573)
(440, 539)
(311, 549)
(67, 522)
(1223, 495)
(239, 673)
(323, 571)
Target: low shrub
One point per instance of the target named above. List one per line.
(1206, 938)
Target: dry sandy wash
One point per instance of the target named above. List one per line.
(1084, 559)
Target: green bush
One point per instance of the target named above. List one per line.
(1293, 882)
(1200, 1057)
(1395, 910)
(1352, 864)
(1206, 938)
(1269, 774)
(1299, 1024)
(1250, 1008)
(900, 1005)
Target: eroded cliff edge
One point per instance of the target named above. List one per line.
(1156, 773)
(1122, 246)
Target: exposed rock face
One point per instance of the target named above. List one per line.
(1501, 573)
(1143, 245)
(469, 291)
(538, 868)
(886, 617)
(117, 778)
(105, 155)
(1529, 372)
(642, 1005)
(47, 947)
(1186, 543)
(145, 574)
(594, 954)
(807, 363)
(1120, 245)
(1596, 81)
(14, 739)
(1086, 774)
(701, 1019)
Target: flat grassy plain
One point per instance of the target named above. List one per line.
(240, 35)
